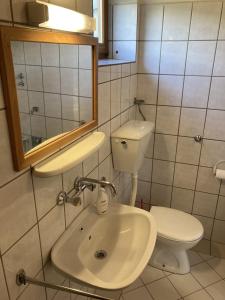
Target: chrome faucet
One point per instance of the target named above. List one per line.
(80, 184)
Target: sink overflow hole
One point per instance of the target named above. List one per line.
(100, 254)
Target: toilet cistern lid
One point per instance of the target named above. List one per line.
(176, 225)
(134, 130)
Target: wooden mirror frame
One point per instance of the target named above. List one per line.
(7, 34)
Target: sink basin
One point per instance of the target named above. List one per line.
(106, 251)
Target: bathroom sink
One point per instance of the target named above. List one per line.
(107, 251)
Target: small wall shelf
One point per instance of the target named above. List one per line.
(71, 157)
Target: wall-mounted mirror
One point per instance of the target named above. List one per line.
(50, 86)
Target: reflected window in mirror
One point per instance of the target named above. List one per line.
(100, 13)
(54, 89)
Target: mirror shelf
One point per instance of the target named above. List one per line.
(70, 157)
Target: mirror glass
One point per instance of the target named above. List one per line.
(54, 89)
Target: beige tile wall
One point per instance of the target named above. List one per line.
(30, 220)
(181, 76)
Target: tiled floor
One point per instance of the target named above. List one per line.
(206, 281)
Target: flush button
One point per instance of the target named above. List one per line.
(123, 142)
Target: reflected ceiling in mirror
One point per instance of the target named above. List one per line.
(50, 87)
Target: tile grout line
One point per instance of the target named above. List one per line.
(28, 97)
(4, 275)
(156, 108)
(37, 220)
(44, 104)
(180, 111)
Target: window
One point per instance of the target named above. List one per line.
(100, 12)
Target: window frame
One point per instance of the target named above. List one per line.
(104, 47)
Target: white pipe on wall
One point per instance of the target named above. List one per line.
(134, 189)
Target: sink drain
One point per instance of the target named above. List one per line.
(100, 254)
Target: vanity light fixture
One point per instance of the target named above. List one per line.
(52, 16)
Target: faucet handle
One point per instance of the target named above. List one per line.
(61, 198)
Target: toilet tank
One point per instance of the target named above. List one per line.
(129, 144)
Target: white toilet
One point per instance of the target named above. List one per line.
(177, 230)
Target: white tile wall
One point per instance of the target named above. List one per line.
(85, 83)
(167, 115)
(205, 21)
(196, 91)
(182, 199)
(170, 90)
(200, 57)
(70, 108)
(34, 78)
(149, 54)
(185, 176)
(20, 255)
(18, 52)
(85, 57)
(188, 151)
(148, 88)
(217, 92)
(51, 227)
(124, 22)
(123, 31)
(181, 73)
(50, 55)
(69, 56)
(16, 221)
(36, 99)
(32, 53)
(69, 81)
(165, 147)
(176, 21)
(173, 57)
(151, 22)
(53, 105)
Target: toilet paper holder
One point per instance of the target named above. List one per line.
(216, 165)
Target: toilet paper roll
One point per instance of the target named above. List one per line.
(220, 174)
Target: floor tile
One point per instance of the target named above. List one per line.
(108, 294)
(151, 274)
(217, 290)
(140, 293)
(194, 258)
(218, 265)
(205, 256)
(163, 290)
(201, 295)
(137, 283)
(167, 273)
(204, 274)
(185, 284)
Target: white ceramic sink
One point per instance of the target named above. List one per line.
(127, 234)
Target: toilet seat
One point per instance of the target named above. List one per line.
(176, 225)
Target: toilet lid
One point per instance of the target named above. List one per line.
(176, 225)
